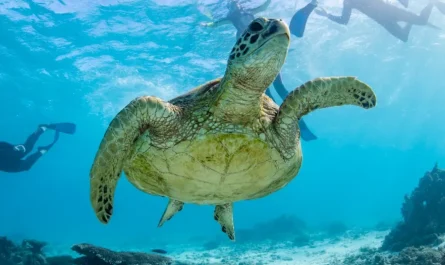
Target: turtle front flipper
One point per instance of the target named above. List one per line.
(173, 207)
(317, 94)
(224, 215)
(141, 114)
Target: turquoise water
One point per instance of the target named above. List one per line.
(82, 61)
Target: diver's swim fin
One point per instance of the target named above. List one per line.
(63, 127)
(440, 6)
(269, 94)
(433, 26)
(47, 147)
(306, 134)
(404, 3)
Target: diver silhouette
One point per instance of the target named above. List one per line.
(385, 14)
(11, 156)
(241, 17)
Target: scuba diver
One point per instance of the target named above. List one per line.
(241, 17)
(11, 155)
(386, 15)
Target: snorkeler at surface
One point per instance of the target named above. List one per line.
(241, 17)
(238, 16)
(385, 14)
(11, 155)
(404, 3)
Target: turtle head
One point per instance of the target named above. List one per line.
(258, 55)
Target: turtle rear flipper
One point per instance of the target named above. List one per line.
(224, 215)
(173, 207)
(317, 94)
(141, 114)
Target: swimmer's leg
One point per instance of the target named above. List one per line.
(32, 139)
(411, 18)
(440, 6)
(298, 22)
(343, 18)
(279, 87)
(27, 164)
(269, 94)
(18, 165)
(305, 132)
(404, 3)
(402, 33)
(45, 149)
(424, 14)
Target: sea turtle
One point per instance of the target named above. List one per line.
(223, 141)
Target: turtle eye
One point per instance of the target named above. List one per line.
(255, 26)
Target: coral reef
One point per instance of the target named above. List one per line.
(30, 252)
(408, 256)
(422, 227)
(34, 246)
(93, 255)
(423, 215)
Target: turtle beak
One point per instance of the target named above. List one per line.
(277, 27)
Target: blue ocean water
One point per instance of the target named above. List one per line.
(82, 61)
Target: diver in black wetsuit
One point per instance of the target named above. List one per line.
(11, 155)
(385, 14)
(241, 18)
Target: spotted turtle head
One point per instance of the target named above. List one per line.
(258, 55)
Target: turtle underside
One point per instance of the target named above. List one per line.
(213, 167)
(209, 160)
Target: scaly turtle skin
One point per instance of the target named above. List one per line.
(222, 142)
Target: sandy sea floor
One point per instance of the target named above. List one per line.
(320, 253)
(324, 252)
